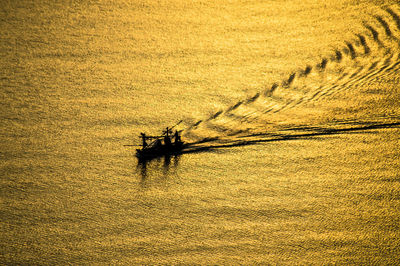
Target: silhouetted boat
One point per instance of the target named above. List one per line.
(161, 145)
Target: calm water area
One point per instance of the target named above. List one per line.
(291, 109)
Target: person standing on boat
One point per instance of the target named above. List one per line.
(177, 137)
(157, 144)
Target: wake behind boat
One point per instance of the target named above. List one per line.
(163, 145)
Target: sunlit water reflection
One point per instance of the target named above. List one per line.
(291, 109)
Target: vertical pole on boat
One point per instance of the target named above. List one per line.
(167, 140)
(144, 143)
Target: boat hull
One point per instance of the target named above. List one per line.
(154, 152)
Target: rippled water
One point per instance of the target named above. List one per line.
(291, 110)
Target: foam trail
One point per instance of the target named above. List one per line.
(332, 89)
(357, 75)
(385, 68)
(386, 65)
(274, 104)
(339, 76)
(362, 73)
(364, 78)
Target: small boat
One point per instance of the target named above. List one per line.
(163, 145)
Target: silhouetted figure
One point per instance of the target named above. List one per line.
(167, 141)
(177, 137)
(157, 144)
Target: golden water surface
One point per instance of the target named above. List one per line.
(290, 109)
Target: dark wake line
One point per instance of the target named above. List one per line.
(385, 25)
(191, 147)
(395, 17)
(363, 78)
(306, 71)
(363, 42)
(351, 50)
(375, 34)
(338, 57)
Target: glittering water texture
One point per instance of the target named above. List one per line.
(290, 109)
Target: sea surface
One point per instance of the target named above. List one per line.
(291, 110)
